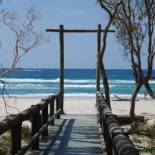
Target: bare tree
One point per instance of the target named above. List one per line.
(26, 38)
(111, 10)
(135, 23)
(135, 31)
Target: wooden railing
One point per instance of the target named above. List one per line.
(41, 116)
(116, 139)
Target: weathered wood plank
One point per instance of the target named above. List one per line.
(61, 37)
(52, 110)
(37, 134)
(79, 136)
(77, 30)
(45, 119)
(125, 119)
(58, 105)
(35, 126)
(14, 123)
(16, 138)
(97, 64)
(116, 139)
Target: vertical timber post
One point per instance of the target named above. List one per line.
(16, 137)
(58, 99)
(45, 117)
(61, 67)
(52, 109)
(35, 126)
(97, 64)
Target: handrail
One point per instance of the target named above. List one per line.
(116, 139)
(41, 116)
(40, 132)
(78, 30)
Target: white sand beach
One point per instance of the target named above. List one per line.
(79, 106)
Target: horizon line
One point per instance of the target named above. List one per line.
(18, 68)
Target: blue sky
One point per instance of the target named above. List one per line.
(80, 49)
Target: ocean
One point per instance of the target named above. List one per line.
(77, 82)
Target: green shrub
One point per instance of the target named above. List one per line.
(147, 130)
(149, 150)
(136, 129)
(151, 131)
(143, 128)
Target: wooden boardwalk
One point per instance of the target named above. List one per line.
(72, 135)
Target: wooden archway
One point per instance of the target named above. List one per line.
(61, 32)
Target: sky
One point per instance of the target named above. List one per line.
(80, 49)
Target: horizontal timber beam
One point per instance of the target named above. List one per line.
(76, 30)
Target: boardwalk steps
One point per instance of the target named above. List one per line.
(72, 135)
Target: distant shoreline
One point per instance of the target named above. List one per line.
(22, 68)
(75, 105)
(75, 96)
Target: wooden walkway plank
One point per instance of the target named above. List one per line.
(76, 135)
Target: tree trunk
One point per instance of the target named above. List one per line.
(149, 90)
(105, 81)
(102, 51)
(133, 101)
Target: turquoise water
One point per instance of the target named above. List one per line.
(77, 81)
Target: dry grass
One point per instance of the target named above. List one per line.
(5, 140)
(143, 136)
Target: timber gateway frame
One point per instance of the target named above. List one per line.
(61, 32)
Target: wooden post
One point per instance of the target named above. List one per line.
(61, 67)
(97, 64)
(45, 118)
(36, 124)
(52, 109)
(58, 97)
(16, 138)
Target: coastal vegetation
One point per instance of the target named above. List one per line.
(143, 136)
(134, 22)
(5, 139)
